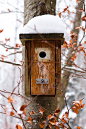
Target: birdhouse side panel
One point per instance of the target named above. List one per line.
(27, 73)
(42, 67)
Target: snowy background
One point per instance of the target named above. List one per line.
(11, 20)
(10, 14)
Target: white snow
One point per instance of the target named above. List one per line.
(71, 113)
(68, 94)
(44, 24)
(74, 68)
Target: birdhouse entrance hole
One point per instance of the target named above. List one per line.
(42, 54)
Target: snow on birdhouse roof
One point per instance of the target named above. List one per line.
(44, 24)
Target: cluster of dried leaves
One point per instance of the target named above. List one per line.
(51, 120)
(67, 9)
(72, 44)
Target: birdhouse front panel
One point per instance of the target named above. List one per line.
(42, 67)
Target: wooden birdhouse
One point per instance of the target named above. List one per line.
(42, 63)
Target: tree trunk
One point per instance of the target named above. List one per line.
(31, 8)
(49, 103)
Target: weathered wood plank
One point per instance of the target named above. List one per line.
(42, 69)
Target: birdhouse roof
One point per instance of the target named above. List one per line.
(44, 24)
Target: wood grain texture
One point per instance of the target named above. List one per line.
(58, 66)
(42, 69)
(27, 67)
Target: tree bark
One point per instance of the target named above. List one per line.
(31, 8)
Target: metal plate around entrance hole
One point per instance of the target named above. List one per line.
(43, 54)
(42, 81)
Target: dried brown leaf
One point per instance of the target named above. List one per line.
(41, 111)
(18, 127)
(10, 99)
(29, 120)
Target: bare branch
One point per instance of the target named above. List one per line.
(11, 12)
(14, 53)
(8, 47)
(8, 62)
